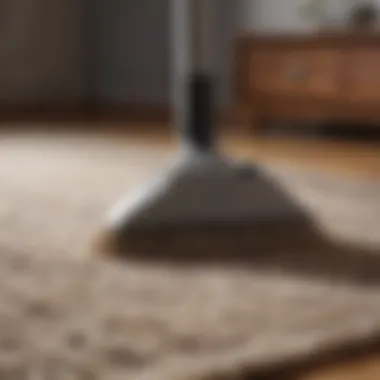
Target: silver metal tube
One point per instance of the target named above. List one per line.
(193, 36)
(192, 64)
(202, 32)
(180, 62)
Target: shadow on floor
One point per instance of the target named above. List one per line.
(337, 132)
(341, 358)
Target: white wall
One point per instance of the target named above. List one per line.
(271, 16)
(280, 15)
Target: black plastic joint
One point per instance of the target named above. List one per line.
(199, 131)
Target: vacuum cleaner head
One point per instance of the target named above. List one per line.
(203, 205)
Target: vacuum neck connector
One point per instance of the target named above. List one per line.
(198, 132)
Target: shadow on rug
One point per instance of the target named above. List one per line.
(301, 250)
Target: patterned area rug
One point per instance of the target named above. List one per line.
(66, 315)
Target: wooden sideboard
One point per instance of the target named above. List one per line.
(323, 78)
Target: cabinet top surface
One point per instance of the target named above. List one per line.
(343, 38)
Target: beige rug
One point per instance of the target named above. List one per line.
(63, 314)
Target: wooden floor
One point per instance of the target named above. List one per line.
(359, 159)
(345, 157)
(348, 158)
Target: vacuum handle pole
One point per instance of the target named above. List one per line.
(192, 71)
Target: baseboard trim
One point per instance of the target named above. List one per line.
(126, 113)
(42, 112)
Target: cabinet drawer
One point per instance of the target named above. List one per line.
(296, 72)
(363, 75)
(265, 66)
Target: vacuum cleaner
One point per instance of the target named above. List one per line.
(205, 202)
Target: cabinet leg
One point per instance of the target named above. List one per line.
(259, 124)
